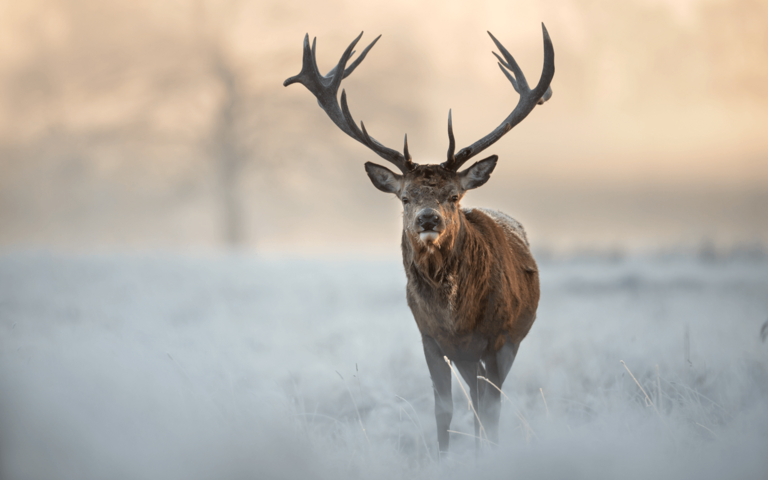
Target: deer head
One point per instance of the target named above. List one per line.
(430, 193)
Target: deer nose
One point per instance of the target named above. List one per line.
(428, 219)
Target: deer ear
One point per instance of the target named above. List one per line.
(479, 173)
(384, 179)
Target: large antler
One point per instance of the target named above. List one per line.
(528, 100)
(326, 87)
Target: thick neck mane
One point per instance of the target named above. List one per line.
(456, 272)
(463, 271)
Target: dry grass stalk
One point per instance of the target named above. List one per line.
(528, 429)
(470, 435)
(359, 418)
(649, 402)
(416, 423)
(469, 399)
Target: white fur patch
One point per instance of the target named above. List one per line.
(509, 224)
(428, 236)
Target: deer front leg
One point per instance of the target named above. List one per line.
(497, 367)
(490, 403)
(469, 372)
(441, 382)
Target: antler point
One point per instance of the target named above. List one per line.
(325, 89)
(406, 154)
(450, 162)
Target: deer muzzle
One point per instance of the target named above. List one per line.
(429, 224)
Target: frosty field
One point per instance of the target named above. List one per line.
(158, 366)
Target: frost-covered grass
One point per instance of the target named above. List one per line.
(186, 367)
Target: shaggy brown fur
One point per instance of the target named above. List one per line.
(474, 291)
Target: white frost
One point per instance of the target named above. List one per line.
(178, 367)
(509, 224)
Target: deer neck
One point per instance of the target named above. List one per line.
(434, 265)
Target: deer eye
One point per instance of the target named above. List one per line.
(454, 198)
(405, 201)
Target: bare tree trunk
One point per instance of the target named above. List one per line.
(227, 154)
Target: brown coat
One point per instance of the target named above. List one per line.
(478, 291)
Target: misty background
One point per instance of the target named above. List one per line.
(147, 125)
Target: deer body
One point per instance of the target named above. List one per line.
(476, 296)
(473, 292)
(473, 285)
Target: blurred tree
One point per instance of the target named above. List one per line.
(131, 89)
(228, 152)
(226, 146)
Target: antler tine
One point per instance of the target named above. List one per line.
(510, 63)
(360, 58)
(325, 88)
(405, 149)
(335, 77)
(528, 98)
(357, 61)
(451, 140)
(403, 162)
(314, 55)
(507, 74)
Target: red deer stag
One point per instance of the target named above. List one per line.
(473, 285)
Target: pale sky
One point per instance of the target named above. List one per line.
(654, 137)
